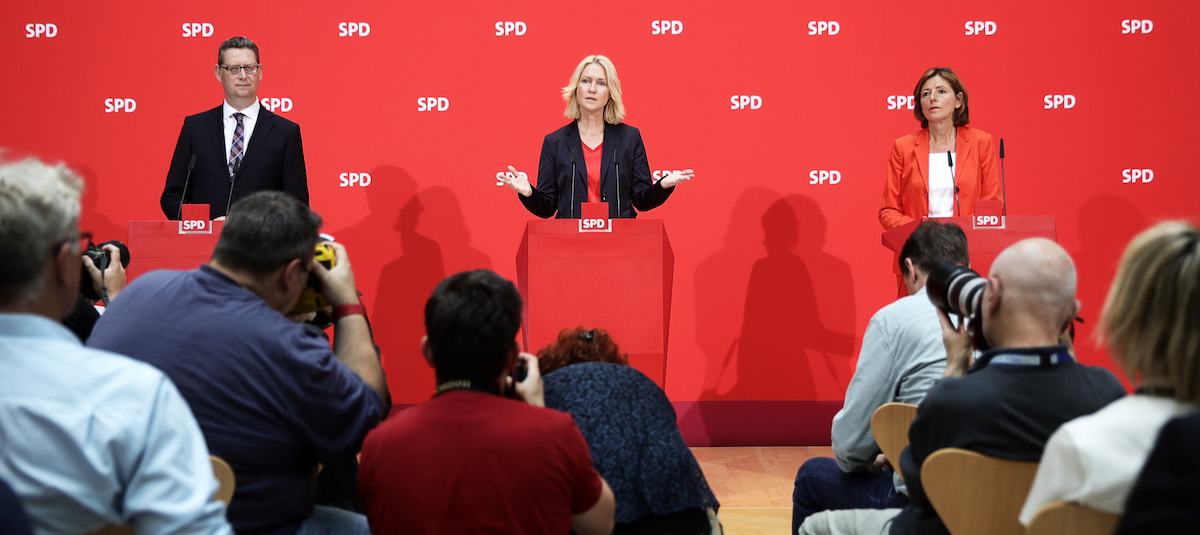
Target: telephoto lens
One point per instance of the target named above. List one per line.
(955, 288)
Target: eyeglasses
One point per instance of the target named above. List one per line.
(237, 69)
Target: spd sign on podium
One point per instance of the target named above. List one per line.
(619, 281)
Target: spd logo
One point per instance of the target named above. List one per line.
(824, 176)
(276, 104)
(354, 29)
(901, 102)
(745, 102)
(989, 221)
(516, 28)
(1054, 102)
(197, 29)
(354, 180)
(595, 225)
(195, 226)
(500, 176)
(980, 27)
(1133, 176)
(1129, 26)
(824, 27)
(433, 104)
(40, 29)
(119, 105)
(666, 27)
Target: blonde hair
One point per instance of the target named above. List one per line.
(614, 110)
(1151, 317)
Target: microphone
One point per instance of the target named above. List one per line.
(954, 181)
(191, 164)
(237, 167)
(571, 213)
(1003, 189)
(617, 165)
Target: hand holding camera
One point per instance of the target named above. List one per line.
(103, 271)
(526, 381)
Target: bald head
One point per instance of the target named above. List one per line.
(1036, 283)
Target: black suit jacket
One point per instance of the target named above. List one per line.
(623, 160)
(999, 410)
(273, 160)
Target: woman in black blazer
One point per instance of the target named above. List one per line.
(595, 158)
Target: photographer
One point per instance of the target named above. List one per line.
(271, 397)
(1008, 402)
(470, 460)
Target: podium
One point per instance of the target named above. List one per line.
(160, 245)
(983, 244)
(617, 280)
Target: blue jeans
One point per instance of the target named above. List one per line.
(333, 521)
(821, 485)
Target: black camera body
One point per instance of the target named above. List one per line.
(100, 258)
(958, 289)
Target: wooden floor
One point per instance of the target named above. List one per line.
(754, 484)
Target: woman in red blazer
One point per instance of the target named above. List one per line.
(920, 181)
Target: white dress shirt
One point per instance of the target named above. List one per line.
(230, 123)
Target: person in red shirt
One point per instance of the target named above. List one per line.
(472, 460)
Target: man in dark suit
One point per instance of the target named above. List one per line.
(239, 147)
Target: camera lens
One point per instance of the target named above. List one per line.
(956, 289)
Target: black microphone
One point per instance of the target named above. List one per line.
(1003, 189)
(237, 166)
(617, 165)
(954, 181)
(182, 196)
(571, 212)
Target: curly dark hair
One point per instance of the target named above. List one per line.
(580, 344)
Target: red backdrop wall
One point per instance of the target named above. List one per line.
(776, 276)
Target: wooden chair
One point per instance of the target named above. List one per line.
(225, 479)
(1060, 518)
(890, 425)
(975, 494)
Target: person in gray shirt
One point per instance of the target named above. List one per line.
(902, 356)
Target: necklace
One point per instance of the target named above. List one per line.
(597, 134)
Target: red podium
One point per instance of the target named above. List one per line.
(164, 245)
(985, 243)
(617, 279)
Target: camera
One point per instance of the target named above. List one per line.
(100, 258)
(311, 299)
(958, 289)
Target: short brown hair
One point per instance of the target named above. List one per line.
(1152, 312)
(580, 344)
(961, 115)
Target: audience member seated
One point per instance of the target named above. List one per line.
(90, 438)
(1010, 400)
(631, 431)
(272, 398)
(1151, 322)
(1164, 499)
(470, 460)
(902, 356)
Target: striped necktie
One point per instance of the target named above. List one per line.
(239, 142)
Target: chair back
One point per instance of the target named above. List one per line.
(890, 425)
(1059, 518)
(225, 479)
(975, 494)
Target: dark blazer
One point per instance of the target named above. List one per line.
(274, 160)
(623, 146)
